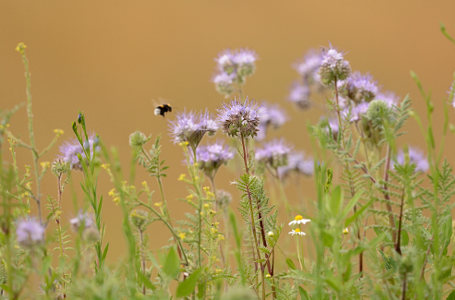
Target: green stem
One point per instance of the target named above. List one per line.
(31, 133)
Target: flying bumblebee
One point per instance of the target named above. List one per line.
(162, 109)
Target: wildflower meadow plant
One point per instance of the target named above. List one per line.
(379, 225)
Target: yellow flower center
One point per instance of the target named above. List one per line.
(298, 218)
(297, 230)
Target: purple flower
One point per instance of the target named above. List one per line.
(233, 67)
(224, 83)
(389, 98)
(239, 119)
(451, 93)
(308, 68)
(70, 151)
(274, 153)
(416, 158)
(333, 67)
(355, 113)
(300, 95)
(244, 60)
(191, 128)
(225, 62)
(361, 87)
(269, 116)
(82, 219)
(211, 157)
(29, 232)
(296, 164)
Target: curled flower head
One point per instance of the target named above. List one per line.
(333, 67)
(82, 220)
(70, 151)
(416, 158)
(29, 232)
(211, 157)
(359, 87)
(274, 153)
(299, 220)
(239, 119)
(296, 163)
(308, 67)
(269, 116)
(300, 95)
(191, 129)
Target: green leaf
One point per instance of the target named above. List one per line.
(357, 213)
(303, 294)
(290, 264)
(451, 296)
(186, 287)
(335, 201)
(327, 239)
(171, 265)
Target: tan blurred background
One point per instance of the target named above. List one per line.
(110, 59)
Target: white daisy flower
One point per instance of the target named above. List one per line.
(299, 220)
(297, 231)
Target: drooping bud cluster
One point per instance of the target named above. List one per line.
(29, 233)
(274, 154)
(269, 116)
(239, 119)
(211, 157)
(191, 128)
(333, 67)
(233, 69)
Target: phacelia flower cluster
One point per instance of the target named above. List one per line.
(191, 128)
(310, 80)
(308, 68)
(296, 163)
(70, 151)
(29, 233)
(269, 116)
(239, 119)
(233, 69)
(300, 95)
(82, 221)
(416, 158)
(211, 157)
(334, 67)
(274, 154)
(360, 88)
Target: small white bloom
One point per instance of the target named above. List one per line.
(297, 232)
(299, 220)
